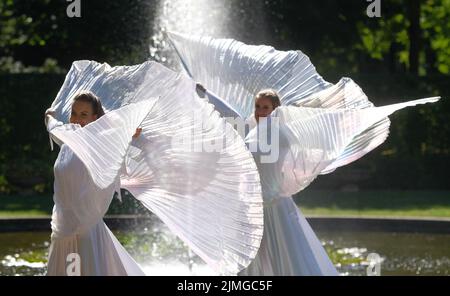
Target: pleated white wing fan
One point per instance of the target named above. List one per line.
(311, 139)
(189, 166)
(234, 72)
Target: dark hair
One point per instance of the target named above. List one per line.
(89, 97)
(270, 94)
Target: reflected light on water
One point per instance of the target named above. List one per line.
(160, 253)
(15, 261)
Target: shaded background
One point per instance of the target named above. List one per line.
(403, 55)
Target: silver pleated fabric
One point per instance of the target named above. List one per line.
(235, 72)
(189, 166)
(319, 127)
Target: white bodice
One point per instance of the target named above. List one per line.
(79, 203)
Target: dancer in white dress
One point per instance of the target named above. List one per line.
(77, 224)
(210, 199)
(289, 245)
(315, 127)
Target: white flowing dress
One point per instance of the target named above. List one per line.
(289, 245)
(77, 220)
(82, 231)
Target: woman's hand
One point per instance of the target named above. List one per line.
(137, 133)
(49, 113)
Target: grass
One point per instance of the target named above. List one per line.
(375, 203)
(26, 206)
(434, 204)
(36, 206)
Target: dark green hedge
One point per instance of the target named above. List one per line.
(26, 159)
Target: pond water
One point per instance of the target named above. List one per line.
(160, 253)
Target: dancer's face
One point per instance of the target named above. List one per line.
(263, 108)
(82, 113)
